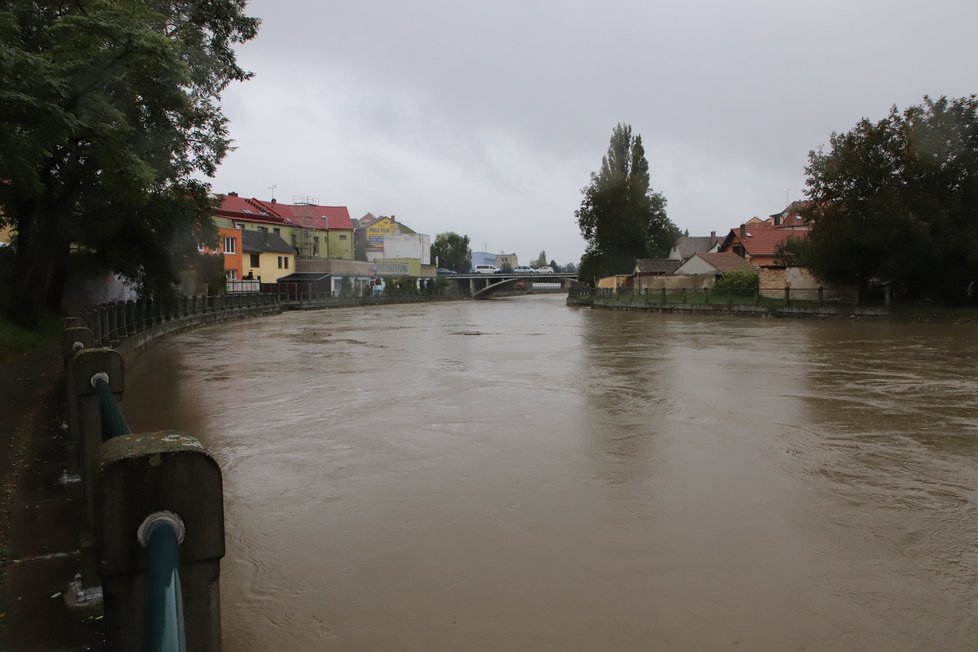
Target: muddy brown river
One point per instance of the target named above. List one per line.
(519, 475)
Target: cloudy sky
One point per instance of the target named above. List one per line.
(487, 118)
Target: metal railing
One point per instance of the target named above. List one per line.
(115, 321)
(137, 493)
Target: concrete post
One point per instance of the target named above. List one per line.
(86, 363)
(787, 296)
(684, 295)
(105, 329)
(706, 295)
(131, 318)
(119, 321)
(73, 339)
(140, 475)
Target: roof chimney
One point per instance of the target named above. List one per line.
(273, 200)
(713, 234)
(232, 194)
(743, 230)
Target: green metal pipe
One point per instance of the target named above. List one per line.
(113, 422)
(164, 600)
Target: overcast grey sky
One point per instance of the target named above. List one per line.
(487, 118)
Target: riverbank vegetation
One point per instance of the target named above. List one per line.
(895, 202)
(111, 117)
(621, 218)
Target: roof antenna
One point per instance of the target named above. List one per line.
(271, 189)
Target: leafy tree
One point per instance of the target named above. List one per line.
(570, 268)
(553, 265)
(897, 201)
(540, 260)
(451, 251)
(621, 217)
(109, 116)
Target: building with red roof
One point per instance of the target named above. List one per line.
(312, 230)
(759, 241)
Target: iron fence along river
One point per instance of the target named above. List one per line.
(516, 474)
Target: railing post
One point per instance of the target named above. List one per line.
(787, 296)
(706, 295)
(131, 318)
(73, 339)
(119, 321)
(757, 297)
(142, 477)
(103, 335)
(684, 295)
(88, 364)
(820, 295)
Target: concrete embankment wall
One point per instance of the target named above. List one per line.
(807, 311)
(133, 345)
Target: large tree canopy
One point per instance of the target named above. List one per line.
(451, 251)
(621, 217)
(109, 116)
(896, 201)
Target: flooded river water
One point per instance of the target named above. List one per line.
(516, 474)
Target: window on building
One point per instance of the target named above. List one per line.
(256, 260)
(280, 262)
(239, 225)
(315, 246)
(231, 274)
(263, 229)
(286, 258)
(277, 230)
(343, 237)
(230, 245)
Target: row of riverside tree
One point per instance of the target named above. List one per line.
(109, 116)
(621, 218)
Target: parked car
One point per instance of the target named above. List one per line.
(445, 270)
(523, 269)
(485, 269)
(545, 270)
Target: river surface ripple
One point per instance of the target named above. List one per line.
(516, 474)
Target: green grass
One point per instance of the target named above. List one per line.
(15, 340)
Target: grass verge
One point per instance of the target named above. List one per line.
(15, 340)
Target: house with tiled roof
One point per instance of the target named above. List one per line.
(686, 246)
(759, 246)
(714, 263)
(312, 230)
(655, 266)
(266, 256)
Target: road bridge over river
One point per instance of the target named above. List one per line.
(484, 286)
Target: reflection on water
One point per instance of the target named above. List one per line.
(515, 474)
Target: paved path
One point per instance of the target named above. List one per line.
(38, 525)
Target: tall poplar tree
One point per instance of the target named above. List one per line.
(109, 117)
(621, 218)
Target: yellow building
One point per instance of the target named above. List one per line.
(266, 256)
